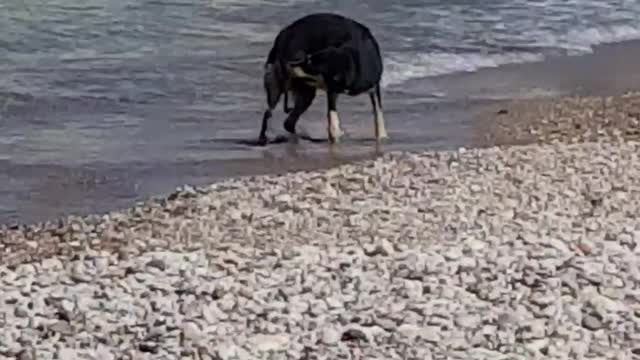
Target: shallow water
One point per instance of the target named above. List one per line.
(111, 100)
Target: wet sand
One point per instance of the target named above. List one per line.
(474, 112)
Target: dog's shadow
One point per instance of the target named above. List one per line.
(280, 139)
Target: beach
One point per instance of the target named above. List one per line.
(500, 221)
(525, 246)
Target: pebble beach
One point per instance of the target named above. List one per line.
(524, 247)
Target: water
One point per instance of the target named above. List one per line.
(108, 100)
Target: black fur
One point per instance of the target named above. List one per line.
(335, 49)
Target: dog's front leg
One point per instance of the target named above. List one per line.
(332, 114)
(262, 138)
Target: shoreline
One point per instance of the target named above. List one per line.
(500, 123)
(489, 123)
(47, 186)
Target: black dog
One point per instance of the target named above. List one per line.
(328, 52)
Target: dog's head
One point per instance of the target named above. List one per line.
(335, 65)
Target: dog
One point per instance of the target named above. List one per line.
(328, 52)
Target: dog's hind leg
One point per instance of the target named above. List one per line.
(332, 114)
(303, 95)
(378, 114)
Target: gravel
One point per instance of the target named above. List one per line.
(526, 252)
(572, 119)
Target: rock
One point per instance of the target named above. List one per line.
(592, 322)
(333, 303)
(51, 264)
(61, 327)
(157, 264)
(542, 299)
(227, 303)
(353, 335)
(468, 263)
(20, 312)
(330, 336)
(148, 347)
(67, 353)
(226, 351)
(192, 331)
(456, 343)
(430, 334)
(266, 343)
(559, 245)
(103, 353)
(453, 253)
(26, 355)
(382, 248)
(538, 345)
(534, 329)
(468, 321)
(67, 306)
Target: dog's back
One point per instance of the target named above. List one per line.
(319, 31)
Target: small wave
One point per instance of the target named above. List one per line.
(402, 67)
(240, 4)
(89, 55)
(583, 40)
(231, 31)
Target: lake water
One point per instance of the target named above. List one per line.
(109, 100)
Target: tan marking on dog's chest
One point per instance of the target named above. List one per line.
(313, 80)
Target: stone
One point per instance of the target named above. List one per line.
(592, 322)
(266, 343)
(559, 245)
(20, 312)
(67, 353)
(537, 345)
(353, 335)
(468, 321)
(453, 253)
(226, 351)
(330, 336)
(192, 331)
(430, 334)
(157, 264)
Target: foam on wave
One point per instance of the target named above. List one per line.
(401, 67)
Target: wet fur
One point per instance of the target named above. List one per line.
(326, 52)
